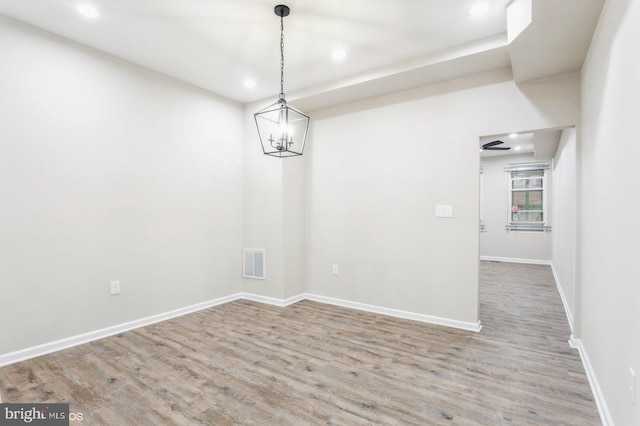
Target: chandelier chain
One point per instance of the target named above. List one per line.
(281, 57)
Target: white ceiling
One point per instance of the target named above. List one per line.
(557, 39)
(217, 44)
(541, 143)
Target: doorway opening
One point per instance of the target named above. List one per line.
(528, 204)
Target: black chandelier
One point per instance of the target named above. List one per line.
(282, 128)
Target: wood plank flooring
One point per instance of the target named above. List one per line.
(311, 364)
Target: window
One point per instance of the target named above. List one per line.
(527, 197)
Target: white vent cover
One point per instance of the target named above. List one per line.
(254, 263)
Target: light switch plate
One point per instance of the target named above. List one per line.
(444, 211)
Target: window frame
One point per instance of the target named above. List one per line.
(534, 174)
(534, 169)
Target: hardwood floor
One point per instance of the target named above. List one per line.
(310, 363)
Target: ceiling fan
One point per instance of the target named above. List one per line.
(492, 146)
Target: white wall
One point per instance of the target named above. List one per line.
(378, 168)
(263, 209)
(109, 172)
(274, 217)
(497, 242)
(294, 225)
(563, 195)
(608, 292)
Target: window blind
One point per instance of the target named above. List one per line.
(528, 167)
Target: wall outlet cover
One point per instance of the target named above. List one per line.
(444, 211)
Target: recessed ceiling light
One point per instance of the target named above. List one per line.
(86, 9)
(249, 83)
(479, 8)
(339, 55)
(513, 135)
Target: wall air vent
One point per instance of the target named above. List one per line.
(254, 263)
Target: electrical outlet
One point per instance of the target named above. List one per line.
(115, 287)
(632, 386)
(335, 270)
(444, 211)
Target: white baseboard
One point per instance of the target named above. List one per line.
(58, 345)
(567, 311)
(469, 326)
(516, 260)
(603, 409)
(272, 300)
(47, 348)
